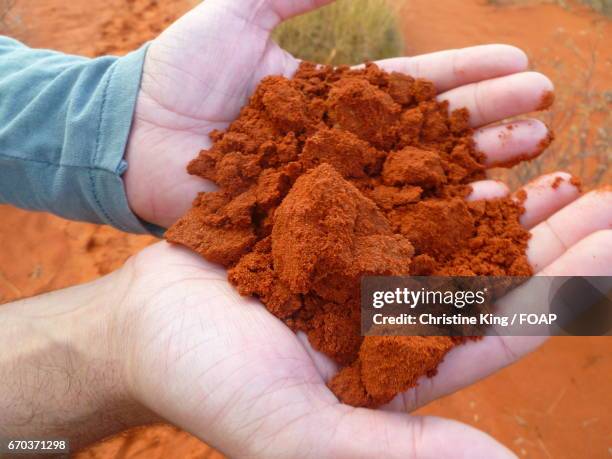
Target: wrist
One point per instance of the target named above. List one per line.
(63, 373)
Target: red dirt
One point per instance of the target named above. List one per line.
(546, 101)
(302, 220)
(554, 403)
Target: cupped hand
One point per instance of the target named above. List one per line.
(225, 369)
(201, 70)
(221, 366)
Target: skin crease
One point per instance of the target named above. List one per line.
(182, 345)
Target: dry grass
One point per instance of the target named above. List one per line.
(345, 32)
(601, 6)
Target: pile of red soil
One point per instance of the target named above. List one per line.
(336, 174)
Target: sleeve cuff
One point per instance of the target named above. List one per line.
(116, 113)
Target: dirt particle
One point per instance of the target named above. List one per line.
(576, 182)
(547, 99)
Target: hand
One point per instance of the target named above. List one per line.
(222, 367)
(201, 70)
(166, 337)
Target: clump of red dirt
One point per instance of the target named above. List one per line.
(336, 174)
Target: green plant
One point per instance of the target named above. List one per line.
(345, 32)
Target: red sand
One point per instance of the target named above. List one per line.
(554, 403)
(300, 221)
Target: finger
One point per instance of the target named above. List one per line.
(488, 189)
(493, 100)
(551, 238)
(507, 144)
(592, 256)
(349, 432)
(456, 67)
(267, 14)
(546, 195)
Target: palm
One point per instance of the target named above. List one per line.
(188, 89)
(235, 366)
(224, 368)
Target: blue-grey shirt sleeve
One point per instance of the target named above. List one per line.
(64, 125)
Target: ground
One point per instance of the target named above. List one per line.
(554, 403)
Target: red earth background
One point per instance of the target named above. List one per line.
(557, 402)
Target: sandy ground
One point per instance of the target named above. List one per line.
(554, 403)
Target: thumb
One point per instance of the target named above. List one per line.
(368, 433)
(342, 431)
(267, 14)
